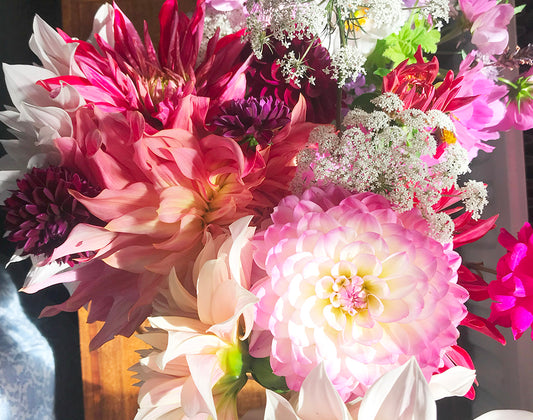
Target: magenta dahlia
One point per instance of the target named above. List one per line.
(42, 212)
(124, 72)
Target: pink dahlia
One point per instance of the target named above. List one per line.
(124, 72)
(512, 291)
(519, 112)
(416, 85)
(353, 284)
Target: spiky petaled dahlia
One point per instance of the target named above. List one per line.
(126, 73)
(351, 283)
(415, 85)
(42, 212)
(266, 78)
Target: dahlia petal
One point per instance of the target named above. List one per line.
(192, 401)
(176, 199)
(483, 326)
(205, 372)
(54, 53)
(506, 414)
(112, 204)
(162, 391)
(455, 381)
(183, 299)
(318, 399)
(83, 238)
(103, 24)
(142, 221)
(21, 84)
(401, 393)
(46, 275)
(278, 407)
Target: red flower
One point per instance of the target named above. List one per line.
(415, 85)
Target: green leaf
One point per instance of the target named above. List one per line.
(518, 9)
(416, 31)
(262, 373)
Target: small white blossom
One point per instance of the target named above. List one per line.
(475, 197)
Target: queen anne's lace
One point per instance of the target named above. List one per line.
(390, 152)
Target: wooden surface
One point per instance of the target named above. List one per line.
(78, 15)
(108, 391)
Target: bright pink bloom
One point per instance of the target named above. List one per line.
(512, 291)
(351, 283)
(475, 121)
(489, 24)
(129, 75)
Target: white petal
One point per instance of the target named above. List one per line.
(20, 83)
(40, 274)
(455, 382)
(318, 398)
(205, 372)
(53, 51)
(103, 25)
(401, 394)
(278, 407)
(506, 415)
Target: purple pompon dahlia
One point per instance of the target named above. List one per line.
(41, 213)
(267, 78)
(252, 121)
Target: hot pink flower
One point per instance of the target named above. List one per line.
(353, 284)
(512, 291)
(489, 24)
(128, 74)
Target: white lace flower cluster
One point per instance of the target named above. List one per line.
(390, 151)
(349, 29)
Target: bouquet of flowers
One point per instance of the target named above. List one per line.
(279, 188)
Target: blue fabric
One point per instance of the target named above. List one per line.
(26, 362)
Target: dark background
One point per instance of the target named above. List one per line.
(61, 331)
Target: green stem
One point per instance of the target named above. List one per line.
(457, 30)
(341, 25)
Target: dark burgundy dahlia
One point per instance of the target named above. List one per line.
(252, 121)
(41, 213)
(266, 78)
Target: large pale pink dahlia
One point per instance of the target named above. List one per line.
(353, 284)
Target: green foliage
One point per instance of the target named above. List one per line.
(394, 49)
(417, 31)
